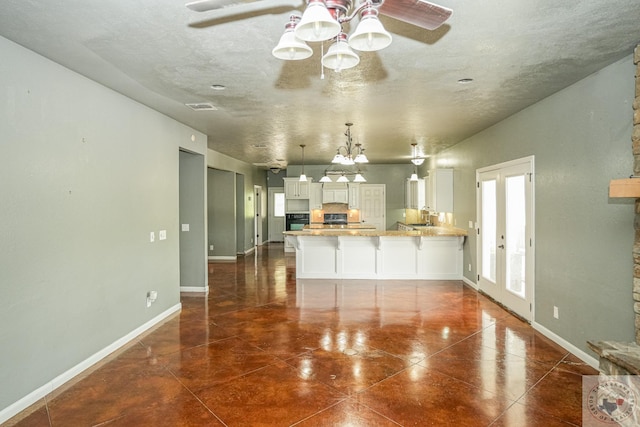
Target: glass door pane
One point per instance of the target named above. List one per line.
(515, 217)
(489, 226)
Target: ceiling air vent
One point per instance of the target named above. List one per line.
(202, 107)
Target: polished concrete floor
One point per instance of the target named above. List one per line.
(263, 349)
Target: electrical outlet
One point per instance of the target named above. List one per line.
(470, 224)
(555, 312)
(469, 267)
(210, 247)
(152, 296)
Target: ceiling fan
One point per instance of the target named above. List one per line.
(420, 13)
(323, 20)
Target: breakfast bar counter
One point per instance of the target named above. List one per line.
(427, 253)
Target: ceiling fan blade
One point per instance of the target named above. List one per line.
(416, 12)
(206, 5)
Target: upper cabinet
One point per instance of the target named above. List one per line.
(439, 188)
(354, 195)
(315, 195)
(334, 192)
(414, 196)
(296, 189)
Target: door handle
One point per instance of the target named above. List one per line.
(501, 246)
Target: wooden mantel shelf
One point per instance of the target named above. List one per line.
(627, 187)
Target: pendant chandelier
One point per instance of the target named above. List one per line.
(350, 154)
(322, 21)
(415, 159)
(347, 160)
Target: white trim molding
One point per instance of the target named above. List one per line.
(31, 398)
(582, 355)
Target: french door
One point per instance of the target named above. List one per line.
(505, 234)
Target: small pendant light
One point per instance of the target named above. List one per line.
(303, 177)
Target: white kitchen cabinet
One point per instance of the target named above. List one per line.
(354, 195)
(315, 195)
(335, 192)
(296, 189)
(415, 194)
(440, 190)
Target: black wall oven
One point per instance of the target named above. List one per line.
(296, 221)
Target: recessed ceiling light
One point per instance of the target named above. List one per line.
(259, 145)
(218, 87)
(465, 81)
(202, 107)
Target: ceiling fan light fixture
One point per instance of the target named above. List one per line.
(340, 56)
(317, 24)
(290, 47)
(370, 34)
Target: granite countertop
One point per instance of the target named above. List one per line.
(423, 231)
(353, 226)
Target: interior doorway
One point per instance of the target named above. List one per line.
(276, 209)
(505, 208)
(192, 232)
(373, 205)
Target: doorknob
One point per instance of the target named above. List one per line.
(501, 246)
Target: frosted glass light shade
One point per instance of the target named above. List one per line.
(361, 158)
(359, 178)
(317, 24)
(348, 161)
(417, 161)
(370, 35)
(303, 178)
(338, 158)
(340, 56)
(414, 177)
(343, 179)
(291, 48)
(325, 179)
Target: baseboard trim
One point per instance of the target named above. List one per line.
(223, 258)
(470, 283)
(31, 398)
(581, 354)
(204, 289)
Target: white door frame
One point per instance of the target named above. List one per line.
(498, 292)
(275, 234)
(257, 216)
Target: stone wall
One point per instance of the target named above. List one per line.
(635, 141)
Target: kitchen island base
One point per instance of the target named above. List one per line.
(378, 257)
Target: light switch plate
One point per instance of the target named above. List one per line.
(162, 235)
(152, 237)
(185, 227)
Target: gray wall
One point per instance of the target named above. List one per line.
(86, 174)
(393, 176)
(252, 176)
(221, 202)
(193, 271)
(581, 138)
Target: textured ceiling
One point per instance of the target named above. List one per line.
(164, 55)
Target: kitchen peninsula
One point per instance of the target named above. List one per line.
(427, 253)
